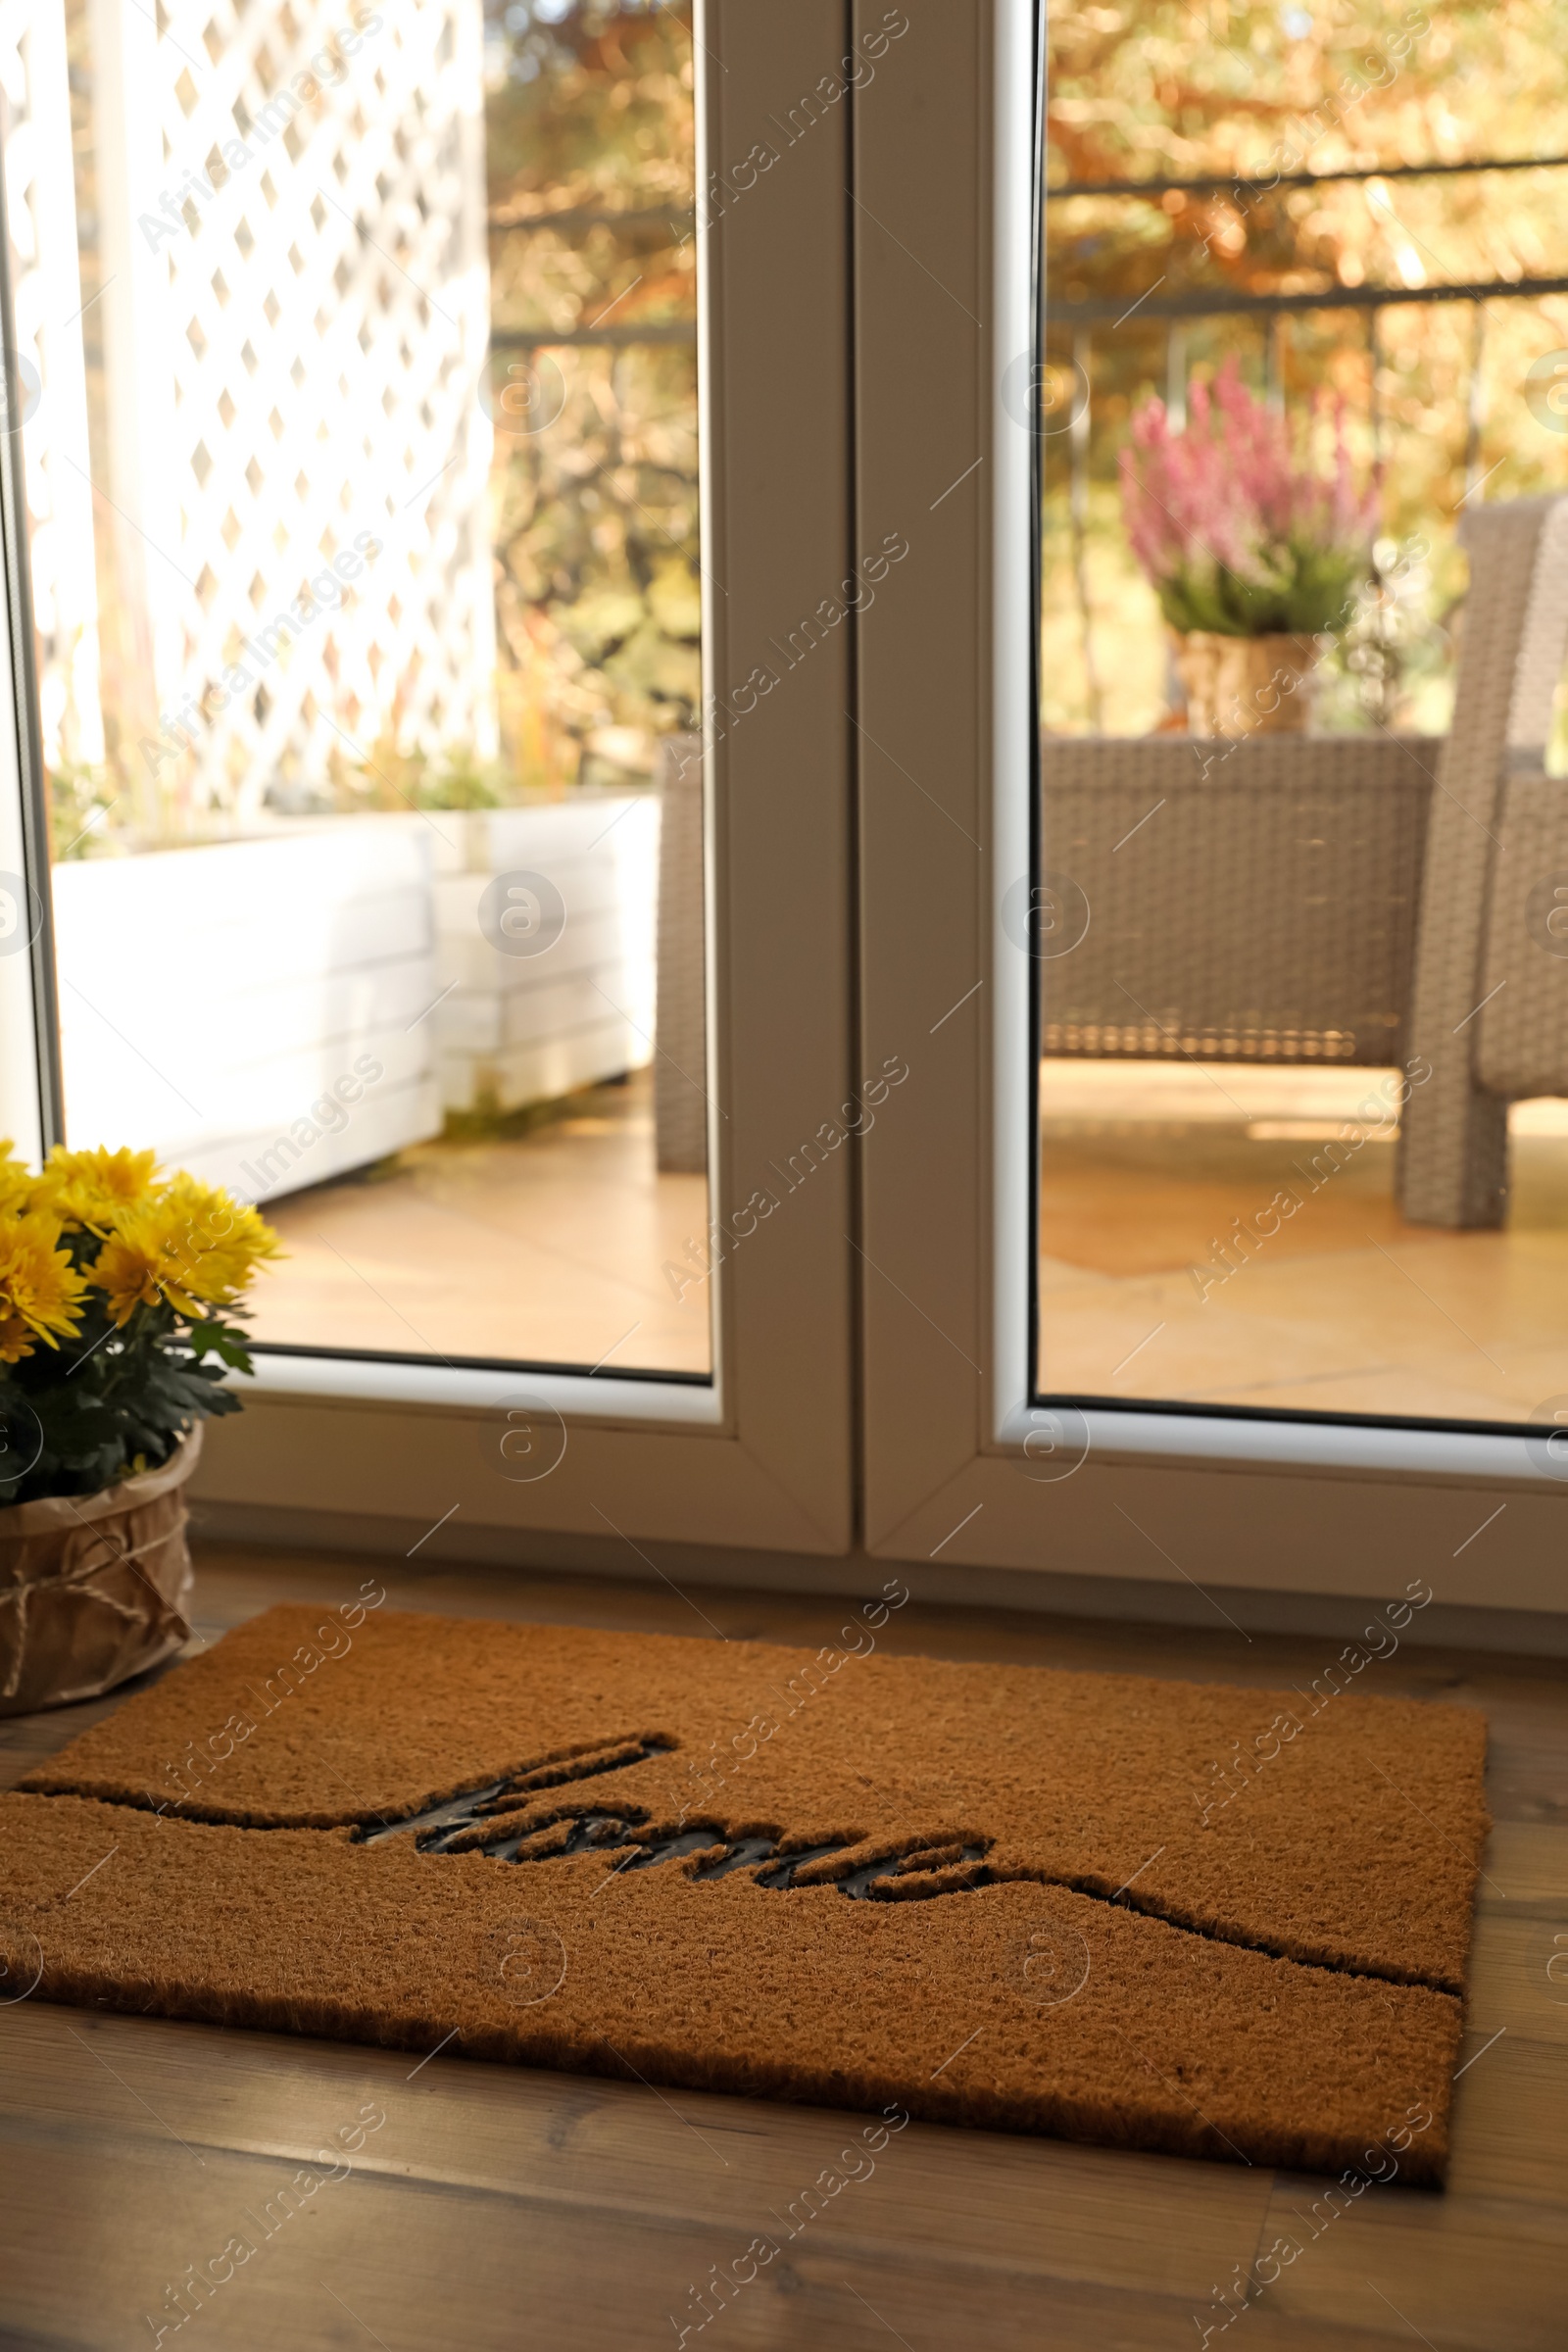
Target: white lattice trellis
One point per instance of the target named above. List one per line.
(41, 209)
(292, 209)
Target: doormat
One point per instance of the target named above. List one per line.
(1218, 1922)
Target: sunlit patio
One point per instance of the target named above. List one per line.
(548, 1248)
(339, 832)
(553, 1247)
(1145, 1169)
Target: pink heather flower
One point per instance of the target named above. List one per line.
(1237, 531)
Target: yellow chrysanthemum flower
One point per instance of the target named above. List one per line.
(226, 1238)
(192, 1247)
(40, 1291)
(93, 1189)
(17, 1179)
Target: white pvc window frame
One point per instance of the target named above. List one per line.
(761, 1455)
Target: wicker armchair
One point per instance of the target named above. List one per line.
(1290, 899)
(1297, 899)
(680, 1045)
(1490, 1006)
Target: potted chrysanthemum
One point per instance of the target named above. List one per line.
(119, 1296)
(1255, 556)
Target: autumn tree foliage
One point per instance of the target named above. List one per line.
(1247, 97)
(590, 131)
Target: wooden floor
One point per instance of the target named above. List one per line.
(505, 2209)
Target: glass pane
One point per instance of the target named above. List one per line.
(1303, 1049)
(362, 477)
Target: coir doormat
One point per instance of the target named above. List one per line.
(1220, 1922)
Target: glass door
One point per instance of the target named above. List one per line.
(441, 852)
(370, 574)
(819, 976)
(1303, 1142)
(1218, 1236)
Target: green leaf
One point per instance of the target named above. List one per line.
(221, 1339)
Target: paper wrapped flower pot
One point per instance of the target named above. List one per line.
(94, 1589)
(122, 1306)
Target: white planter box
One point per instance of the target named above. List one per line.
(521, 1028)
(211, 1000)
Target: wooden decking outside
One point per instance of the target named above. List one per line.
(554, 1247)
(1149, 1289)
(548, 1248)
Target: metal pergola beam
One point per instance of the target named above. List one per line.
(530, 224)
(1236, 183)
(1117, 309)
(619, 338)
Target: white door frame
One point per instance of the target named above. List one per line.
(762, 1455)
(962, 1465)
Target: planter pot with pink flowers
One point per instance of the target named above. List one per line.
(1257, 552)
(1238, 686)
